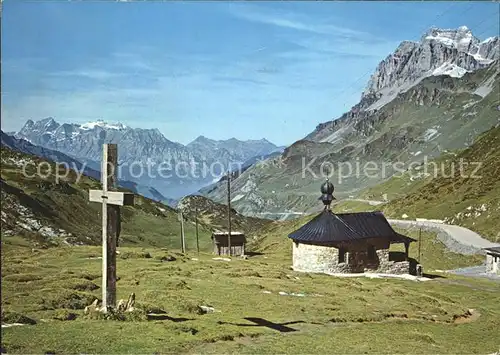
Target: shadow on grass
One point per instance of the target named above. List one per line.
(253, 253)
(159, 317)
(260, 322)
(432, 276)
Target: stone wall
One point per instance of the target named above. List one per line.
(315, 258)
(390, 267)
(324, 259)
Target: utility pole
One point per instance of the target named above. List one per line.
(196, 221)
(419, 243)
(229, 211)
(183, 241)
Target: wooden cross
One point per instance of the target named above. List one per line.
(111, 222)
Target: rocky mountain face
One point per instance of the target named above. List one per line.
(246, 165)
(439, 52)
(235, 149)
(145, 155)
(21, 145)
(410, 111)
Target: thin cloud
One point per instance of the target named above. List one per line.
(293, 21)
(90, 74)
(343, 47)
(260, 49)
(132, 60)
(230, 79)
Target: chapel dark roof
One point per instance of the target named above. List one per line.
(328, 227)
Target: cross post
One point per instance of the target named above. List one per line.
(111, 221)
(229, 212)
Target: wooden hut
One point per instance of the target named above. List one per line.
(493, 260)
(221, 243)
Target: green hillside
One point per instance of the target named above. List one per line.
(40, 211)
(469, 197)
(213, 216)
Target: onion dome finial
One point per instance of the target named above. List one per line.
(327, 193)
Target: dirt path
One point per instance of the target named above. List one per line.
(370, 202)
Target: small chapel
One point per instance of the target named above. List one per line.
(349, 243)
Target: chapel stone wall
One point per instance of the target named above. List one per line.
(325, 259)
(316, 258)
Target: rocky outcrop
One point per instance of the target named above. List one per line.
(439, 52)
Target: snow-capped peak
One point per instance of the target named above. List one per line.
(460, 38)
(102, 124)
(439, 52)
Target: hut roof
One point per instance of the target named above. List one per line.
(493, 250)
(226, 233)
(236, 237)
(328, 227)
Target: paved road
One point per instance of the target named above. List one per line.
(458, 239)
(370, 202)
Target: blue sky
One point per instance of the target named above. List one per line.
(220, 69)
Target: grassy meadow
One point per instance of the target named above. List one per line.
(50, 288)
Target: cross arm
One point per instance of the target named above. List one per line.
(112, 197)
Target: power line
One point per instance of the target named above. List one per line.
(487, 28)
(438, 16)
(343, 91)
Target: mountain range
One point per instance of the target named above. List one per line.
(146, 156)
(43, 211)
(26, 147)
(425, 99)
